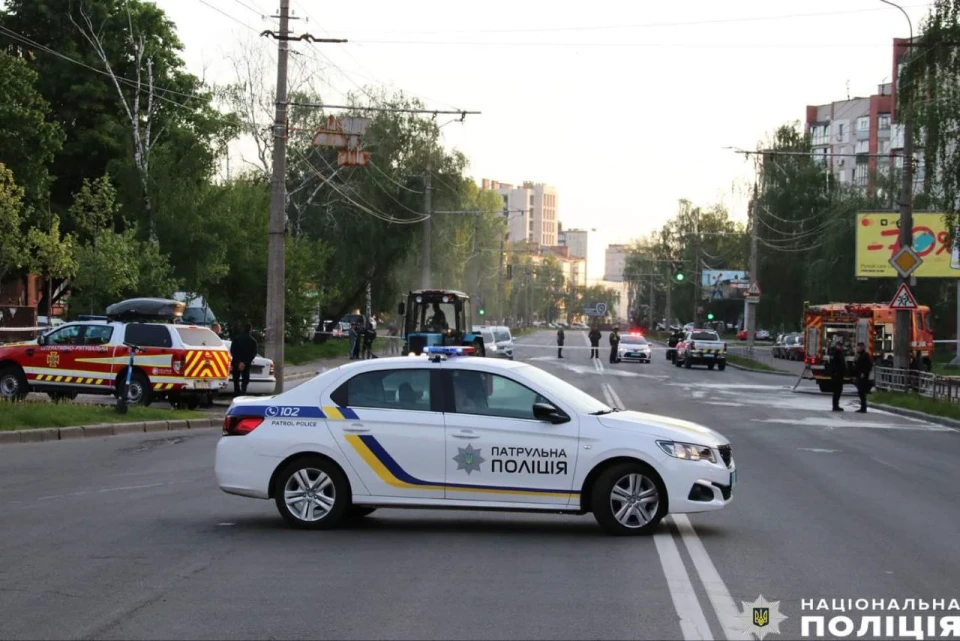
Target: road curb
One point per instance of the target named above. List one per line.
(47, 434)
(930, 418)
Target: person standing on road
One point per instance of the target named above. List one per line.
(369, 335)
(838, 370)
(560, 339)
(354, 339)
(614, 344)
(594, 337)
(862, 367)
(243, 350)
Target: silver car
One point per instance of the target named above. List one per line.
(263, 381)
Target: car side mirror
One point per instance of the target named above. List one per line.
(547, 412)
(401, 309)
(42, 339)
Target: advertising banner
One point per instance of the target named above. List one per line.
(878, 239)
(717, 284)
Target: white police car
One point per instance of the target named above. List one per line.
(464, 433)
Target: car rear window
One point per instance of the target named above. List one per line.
(199, 337)
(147, 335)
(706, 336)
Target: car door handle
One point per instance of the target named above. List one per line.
(465, 434)
(356, 427)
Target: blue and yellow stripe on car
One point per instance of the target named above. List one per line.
(392, 473)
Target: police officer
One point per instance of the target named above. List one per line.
(862, 367)
(243, 350)
(560, 339)
(838, 370)
(594, 337)
(614, 344)
(369, 335)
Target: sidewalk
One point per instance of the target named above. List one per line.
(309, 370)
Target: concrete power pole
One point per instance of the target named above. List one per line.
(276, 248)
(475, 271)
(669, 308)
(500, 284)
(749, 306)
(427, 211)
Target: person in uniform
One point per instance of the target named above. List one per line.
(243, 350)
(594, 337)
(614, 344)
(838, 370)
(862, 367)
(560, 339)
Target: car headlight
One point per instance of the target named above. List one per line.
(493, 348)
(688, 451)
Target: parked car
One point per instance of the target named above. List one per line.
(792, 348)
(778, 348)
(701, 347)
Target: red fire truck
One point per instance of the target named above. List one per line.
(869, 323)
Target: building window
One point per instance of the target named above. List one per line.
(860, 174)
(883, 121)
(531, 200)
(883, 146)
(863, 147)
(821, 135)
(863, 123)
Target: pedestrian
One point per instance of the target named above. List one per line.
(614, 344)
(594, 337)
(863, 366)
(560, 339)
(369, 335)
(838, 371)
(216, 328)
(243, 350)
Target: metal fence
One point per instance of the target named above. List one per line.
(941, 388)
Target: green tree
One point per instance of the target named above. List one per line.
(28, 140)
(11, 216)
(51, 256)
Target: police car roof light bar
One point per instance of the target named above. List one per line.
(448, 350)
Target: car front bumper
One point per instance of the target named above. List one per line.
(698, 486)
(640, 357)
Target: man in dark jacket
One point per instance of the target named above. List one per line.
(243, 350)
(369, 335)
(594, 337)
(560, 339)
(838, 370)
(862, 367)
(614, 344)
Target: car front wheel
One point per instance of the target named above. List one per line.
(629, 499)
(312, 493)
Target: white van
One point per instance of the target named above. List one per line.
(497, 340)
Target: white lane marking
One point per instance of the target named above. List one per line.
(833, 423)
(724, 404)
(693, 623)
(606, 394)
(599, 365)
(727, 611)
(616, 397)
(817, 450)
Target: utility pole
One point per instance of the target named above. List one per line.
(276, 248)
(475, 270)
(652, 304)
(750, 306)
(427, 210)
(669, 310)
(500, 284)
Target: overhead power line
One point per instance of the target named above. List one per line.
(435, 112)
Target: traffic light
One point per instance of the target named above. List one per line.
(709, 316)
(481, 312)
(679, 276)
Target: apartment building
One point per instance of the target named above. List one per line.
(530, 209)
(615, 263)
(574, 239)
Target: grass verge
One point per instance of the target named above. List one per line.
(306, 352)
(28, 415)
(917, 403)
(750, 364)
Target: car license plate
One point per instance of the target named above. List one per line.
(733, 479)
(201, 384)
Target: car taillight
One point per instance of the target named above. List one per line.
(272, 369)
(240, 425)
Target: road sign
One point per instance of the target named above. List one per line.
(906, 261)
(343, 132)
(352, 158)
(754, 291)
(601, 309)
(904, 299)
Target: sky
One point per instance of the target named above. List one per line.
(624, 107)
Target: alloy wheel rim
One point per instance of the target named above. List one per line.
(309, 494)
(134, 393)
(634, 500)
(9, 386)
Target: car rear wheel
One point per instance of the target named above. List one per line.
(710, 366)
(722, 365)
(629, 499)
(686, 362)
(13, 384)
(312, 493)
(139, 391)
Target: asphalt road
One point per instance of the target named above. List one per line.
(128, 537)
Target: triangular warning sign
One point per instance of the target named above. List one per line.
(754, 290)
(903, 299)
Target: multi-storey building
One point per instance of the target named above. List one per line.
(616, 261)
(530, 209)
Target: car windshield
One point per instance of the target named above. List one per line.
(559, 389)
(502, 336)
(199, 336)
(633, 340)
(706, 336)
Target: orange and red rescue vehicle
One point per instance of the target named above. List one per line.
(870, 323)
